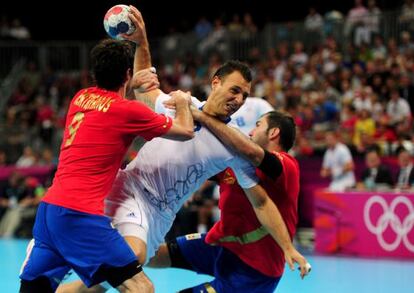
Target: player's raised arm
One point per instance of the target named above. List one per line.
(142, 58)
(183, 124)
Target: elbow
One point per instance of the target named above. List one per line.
(187, 134)
(259, 203)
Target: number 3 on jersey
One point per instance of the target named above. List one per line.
(73, 127)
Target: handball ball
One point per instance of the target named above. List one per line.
(117, 22)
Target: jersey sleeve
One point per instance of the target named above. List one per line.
(142, 121)
(160, 108)
(245, 172)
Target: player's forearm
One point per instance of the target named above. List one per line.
(234, 138)
(184, 118)
(269, 216)
(142, 59)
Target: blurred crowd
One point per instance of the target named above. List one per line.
(352, 101)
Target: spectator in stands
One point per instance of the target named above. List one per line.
(15, 193)
(372, 20)
(337, 164)
(249, 28)
(355, 23)
(28, 158)
(299, 57)
(407, 90)
(407, 15)
(202, 28)
(398, 110)
(405, 176)
(376, 173)
(364, 125)
(406, 45)
(18, 31)
(3, 158)
(379, 50)
(215, 40)
(4, 28)
(235, 26)
(314, 24)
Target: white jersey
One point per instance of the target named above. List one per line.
(248, 114)
(335, 159)
(164, 174)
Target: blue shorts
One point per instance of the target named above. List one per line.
(66, 239)
(231, 274)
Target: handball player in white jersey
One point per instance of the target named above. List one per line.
(148, 193)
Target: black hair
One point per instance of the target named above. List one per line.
(110, 60)
(374, 149)
(234, 65)
(286, 125)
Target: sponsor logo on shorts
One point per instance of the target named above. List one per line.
(193, 236)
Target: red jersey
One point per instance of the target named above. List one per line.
(240, 231)
(100, 127)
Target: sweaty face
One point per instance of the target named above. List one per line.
(228, 94)
(259, 134)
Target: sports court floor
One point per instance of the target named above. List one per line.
(329, 274)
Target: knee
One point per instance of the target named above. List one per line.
(141, 256)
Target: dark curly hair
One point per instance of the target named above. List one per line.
(110, 60)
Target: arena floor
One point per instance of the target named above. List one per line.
(329, 274)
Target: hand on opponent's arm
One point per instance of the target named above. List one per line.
(232, 137)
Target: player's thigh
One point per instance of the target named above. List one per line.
(92, 246)
(192, 252)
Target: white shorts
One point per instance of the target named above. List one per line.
(133, 215)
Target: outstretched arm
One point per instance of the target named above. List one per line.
(142, 58)
(269, 216)
(183, 126)
(232, 137)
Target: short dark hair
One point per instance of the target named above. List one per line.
(234, 65)
(286, 125)
(110, 60)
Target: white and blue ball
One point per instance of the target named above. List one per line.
(117, 22)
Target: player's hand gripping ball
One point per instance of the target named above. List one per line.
(117, 22)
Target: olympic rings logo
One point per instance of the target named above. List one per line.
(389, 218)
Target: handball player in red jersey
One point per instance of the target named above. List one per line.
(238, 251)
(71, 230)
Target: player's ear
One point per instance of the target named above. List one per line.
(273, 132)
(215, 82)
(128, 75)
